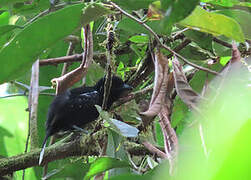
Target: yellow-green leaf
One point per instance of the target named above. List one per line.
(213, 23)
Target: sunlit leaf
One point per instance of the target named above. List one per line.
(242, 17)
(139, 39)
(213, 23)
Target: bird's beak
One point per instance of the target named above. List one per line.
(127, 87)
(125, 90)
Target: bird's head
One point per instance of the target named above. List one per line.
(118, 89)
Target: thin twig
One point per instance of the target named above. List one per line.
(133, 96)
(160, 43)
(72, 44)
(222, 42)
(58, 60)
(97, 57)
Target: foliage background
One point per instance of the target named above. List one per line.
(210, 27)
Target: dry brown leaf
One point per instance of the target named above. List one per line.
(64, 82)
(160, 85)
(170, 136)
(183, 89)
(67, 80)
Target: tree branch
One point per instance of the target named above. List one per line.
(80, 146)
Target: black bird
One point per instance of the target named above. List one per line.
(75, 108)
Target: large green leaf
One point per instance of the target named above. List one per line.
(20, 53)
(217, 144)
(242, 17)
(213, 23)
(14, 129)
(103, 164)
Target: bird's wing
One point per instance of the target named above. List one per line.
(84, 100)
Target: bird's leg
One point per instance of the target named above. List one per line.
(79, 129)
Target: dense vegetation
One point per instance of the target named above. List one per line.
(188, 61)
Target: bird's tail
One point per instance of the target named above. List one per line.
(43, 148)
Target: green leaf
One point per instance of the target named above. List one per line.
(177, 10)
(194, 53)
(218, 144)
(41, 34)
(7, 28)
(5, 2)
(242, 17)
(129, 113)
(224, 60)
(115, 149)
(132, 27)
(220, 50)
(213, 23)
(139, 39)
(203, 40)
(133, 4)
(68, 168)
(245, 4)
(103, 164)
(159, 134)
(120, 127)
(28, 9)
(4, 18)
(114, 146)
(14, 129)
(94, 73)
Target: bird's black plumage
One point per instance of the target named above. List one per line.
(76, 107)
